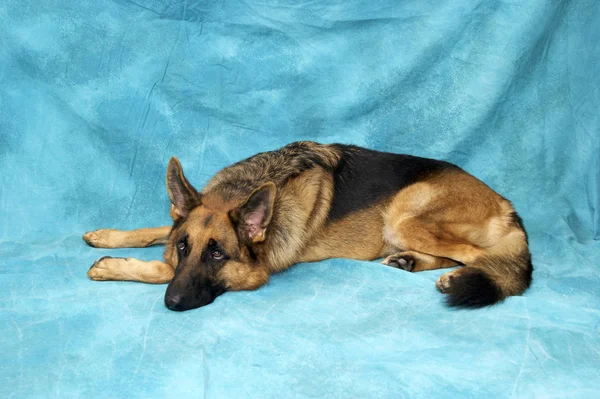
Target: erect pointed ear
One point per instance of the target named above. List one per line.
(183, 196)
(255, 214)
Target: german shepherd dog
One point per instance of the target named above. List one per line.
(307, 202)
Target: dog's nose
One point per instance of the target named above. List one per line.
(173, 302)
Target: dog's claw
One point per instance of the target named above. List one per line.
(89, 238)
(100, 260)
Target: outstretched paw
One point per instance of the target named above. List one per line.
(102, 238)
(105, 268)
(400, 261)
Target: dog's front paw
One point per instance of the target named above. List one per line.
(105, 268)
(100, 238)
(400, 261)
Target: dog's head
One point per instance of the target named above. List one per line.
(212, 241)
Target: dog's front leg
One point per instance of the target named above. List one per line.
(130, 269)
(140, 238)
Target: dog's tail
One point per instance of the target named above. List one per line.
(505, 270)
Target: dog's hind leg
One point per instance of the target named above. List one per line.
(413, 261)
(130, 269)
(140, 238)
(455, 216)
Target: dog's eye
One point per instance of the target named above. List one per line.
(217, 255)
(181, 245)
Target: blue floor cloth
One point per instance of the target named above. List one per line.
(96, 96)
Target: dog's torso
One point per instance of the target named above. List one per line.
(333, 200)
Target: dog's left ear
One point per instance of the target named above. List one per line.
(183, 196)
(253, 217)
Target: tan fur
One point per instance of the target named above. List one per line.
(511, 246)
(140, 238)
(357, 236)
(452, 215)
(455, 216)
(303, 206)
(241, 276)
(130, 269)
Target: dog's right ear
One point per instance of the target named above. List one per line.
(183, 196)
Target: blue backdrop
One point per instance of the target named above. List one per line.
(96, 96)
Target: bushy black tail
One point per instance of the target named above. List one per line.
(473, 289)
(505, 270)
(491, 280)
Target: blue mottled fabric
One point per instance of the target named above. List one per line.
(96, 96)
